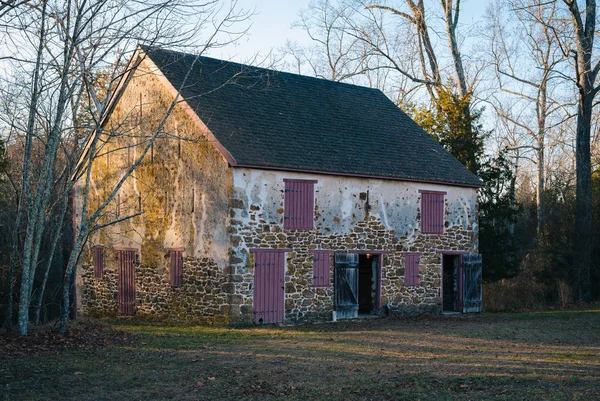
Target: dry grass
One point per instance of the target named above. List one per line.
(543, 355)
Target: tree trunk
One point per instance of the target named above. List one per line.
(68, 278)
(56, 237)
(451, 16)
(583, 211)
(585, 78)
(542, 113)
(541, 179)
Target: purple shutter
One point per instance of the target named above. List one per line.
(98, 261)
(268, 286)
(411, 268)
(432, 212)
(321, 267)
(299, 204)
(126, 288)
(176, 266)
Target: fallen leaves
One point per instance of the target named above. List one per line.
(81, 335)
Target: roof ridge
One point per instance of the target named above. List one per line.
(150, 49)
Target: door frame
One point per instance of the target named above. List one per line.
(379, 253)
(460, 254)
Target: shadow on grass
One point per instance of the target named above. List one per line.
(483, 357)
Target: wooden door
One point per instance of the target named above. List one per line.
(126, 288)
(269, 270)
(346, 285)
(471, 283)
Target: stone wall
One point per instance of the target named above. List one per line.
(256, 221)
(183, 188)
(200, 298)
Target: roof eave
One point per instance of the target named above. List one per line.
(345, 174)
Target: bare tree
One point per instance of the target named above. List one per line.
(581, 48)
(527, 62)
(75, 41)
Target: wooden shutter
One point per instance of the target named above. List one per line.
(269, 267)
(411, 268)
(472, 282)
(299, 204)
(176, 268)
(346, 285)
(321, 267)
(126, 288)
(432, 212)
(98, 261)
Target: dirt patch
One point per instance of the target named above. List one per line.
(82, 335)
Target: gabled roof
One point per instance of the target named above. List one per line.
(278, 120)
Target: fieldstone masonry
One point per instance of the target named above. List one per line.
(211, 294)
(304, 302)
(201, 297)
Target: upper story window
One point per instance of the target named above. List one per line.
(432, 212)
(299, 204)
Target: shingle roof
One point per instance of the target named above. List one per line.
(272, 119)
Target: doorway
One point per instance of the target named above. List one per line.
(367, 283)
(356, 284)
(451, 283)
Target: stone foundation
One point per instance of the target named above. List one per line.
(200, 299)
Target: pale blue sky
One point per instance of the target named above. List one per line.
(271, 26)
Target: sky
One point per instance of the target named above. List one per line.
(272, 26)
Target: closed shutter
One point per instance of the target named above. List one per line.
(299, 204)
(126, 288)
(321, 268)
(176, 259)
(432, 212)
(98, 261)
(411, 268)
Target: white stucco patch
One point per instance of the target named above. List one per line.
(340, 202)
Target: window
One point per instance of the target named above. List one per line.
(321, 267)
(432, 212)
(411, 268)
(299, 204)
(176, 258)
(98, 261)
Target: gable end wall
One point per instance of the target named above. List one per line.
(184, 189)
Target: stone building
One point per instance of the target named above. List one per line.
(274, 197)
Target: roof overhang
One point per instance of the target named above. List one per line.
(344, 174)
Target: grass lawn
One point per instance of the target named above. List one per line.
(528, 356)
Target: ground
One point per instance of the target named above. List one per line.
(543, 355)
